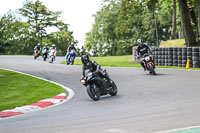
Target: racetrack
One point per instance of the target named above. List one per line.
(145, 103)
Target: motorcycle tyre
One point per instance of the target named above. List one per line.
(92, 94)
(114, 89)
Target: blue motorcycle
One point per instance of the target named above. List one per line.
(70, 57)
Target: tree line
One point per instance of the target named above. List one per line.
(21, 30)
(119, 23)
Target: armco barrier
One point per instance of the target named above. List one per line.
(174, 56)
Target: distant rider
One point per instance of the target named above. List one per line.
(38, 48)
(82, 51)
(92, 66)
(70, 48)
(142, 49)
(53, 48)
(45, 49)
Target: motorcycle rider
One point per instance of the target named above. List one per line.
(53, 48)
(141, 50)
(45, 49)
(82, 51)
(92, 66)
(38, 47)
(70, 48)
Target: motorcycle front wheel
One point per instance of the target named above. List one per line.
(152, 70)
(114, 90)
(94, 95)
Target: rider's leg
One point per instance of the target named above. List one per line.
(143, 65)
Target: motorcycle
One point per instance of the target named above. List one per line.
(45, 55)
(52, 55)
(98, 86)
(71, 57)
(149, 63)
(36, 54)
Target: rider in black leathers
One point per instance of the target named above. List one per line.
(141, 50)
(92, 66)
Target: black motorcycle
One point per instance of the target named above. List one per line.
(45, 55)
(98, 86)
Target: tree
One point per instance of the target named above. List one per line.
(173, 34)
(189, 35)
(63, 38)
(39, 18)
(102, 37)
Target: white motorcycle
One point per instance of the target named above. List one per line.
(52, 55)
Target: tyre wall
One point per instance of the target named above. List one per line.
(174, 56)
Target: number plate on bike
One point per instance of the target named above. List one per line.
(147, 58)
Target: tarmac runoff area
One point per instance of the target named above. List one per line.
(50, 102)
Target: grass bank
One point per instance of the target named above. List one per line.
(18, 89)
(173, 43)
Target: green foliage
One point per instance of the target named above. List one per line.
(39, 18)
(17, 37)
(119, 23)
(102, 37)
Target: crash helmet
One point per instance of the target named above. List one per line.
(82, 51)
(72, 45)
(85, 59)
(139, 41)
(53, 45)
(38, 44)
(46, 45)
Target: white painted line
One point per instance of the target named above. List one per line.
(27, 108)
(115, 131)
(54, 101)
(11, 110)
(62, 94)
(178, 129)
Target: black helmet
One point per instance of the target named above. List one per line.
(85, 59)
(82, 51)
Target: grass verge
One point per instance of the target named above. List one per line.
(17, 89)
(173, 43)
(112, 61)
(121, 61)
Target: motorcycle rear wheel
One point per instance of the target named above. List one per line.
(93, 95)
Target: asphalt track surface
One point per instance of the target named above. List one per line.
(145, 103)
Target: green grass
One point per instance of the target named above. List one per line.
(173, 43)
(112, 61)
(121, 61)
(18, 89)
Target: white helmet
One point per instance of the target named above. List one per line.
(38, 44)
(139, 41)
(53, 45)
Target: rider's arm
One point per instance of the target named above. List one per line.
(148, 49)
(83, 71)
(98, 67)
(75, 49)
(138, 51)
